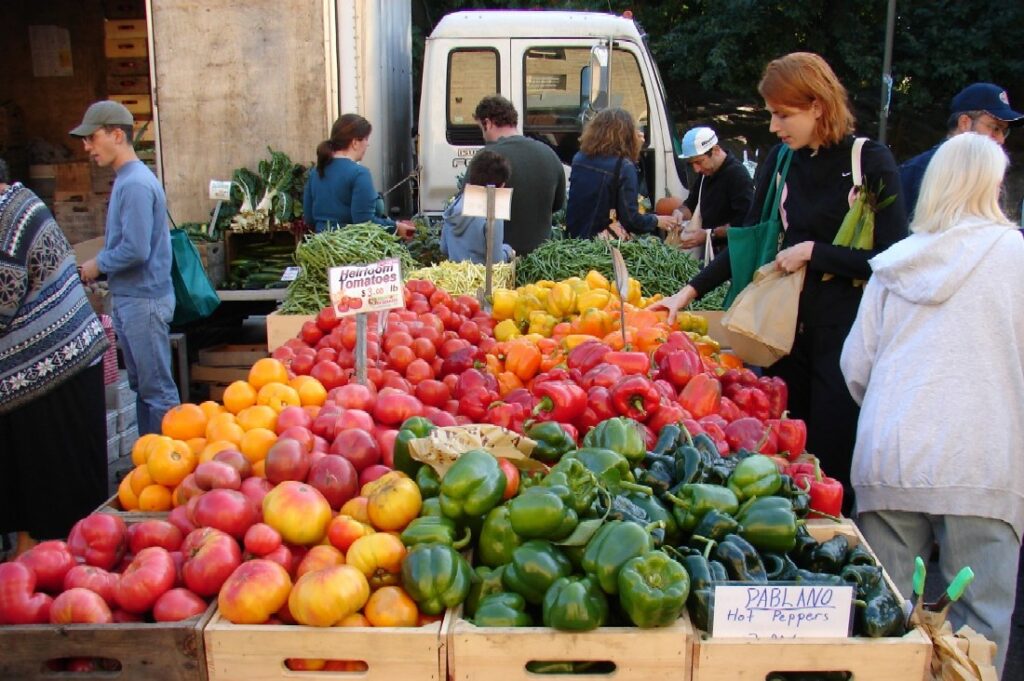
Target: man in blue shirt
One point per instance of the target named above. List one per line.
(983, 108)
(136, 258)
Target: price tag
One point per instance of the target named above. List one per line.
(220, 190)
(777, 611)
(366, 288)
(474, 201)
(291, 273)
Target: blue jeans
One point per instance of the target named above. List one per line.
(141, 325)
(989, 546)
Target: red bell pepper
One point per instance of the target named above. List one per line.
(561, 401)
(556, 374)
(603, 374)
(677, 340)
(650, 437)
(475, 402)
(791, 434)
(826, 493)
(521, 396)
(474, 378)
(586, 356)
(599, 399)
(635, 397)
(750, 434)
(638, 363)
(745, 378)
(753, 402)
(510, 415)
(778, 394)
(701, 396)
(461, 360)
(668, 392)
(679, 367)
(717, 433)
(668, 412)
(572, 431)
(587, 420)
(730, 412)
(692, 427)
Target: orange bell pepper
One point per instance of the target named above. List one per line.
(507, 382)
(561, 329)
(648, 339)
(523, 360)
(549, 362)
(494, 365)
(594, 322)
(546, 345)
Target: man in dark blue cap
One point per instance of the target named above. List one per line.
(983, 108)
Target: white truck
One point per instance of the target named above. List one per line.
(557, 68)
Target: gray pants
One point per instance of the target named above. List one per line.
(990, 547)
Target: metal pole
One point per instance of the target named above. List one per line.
(361, 347)
(489, 249)
(890, 29)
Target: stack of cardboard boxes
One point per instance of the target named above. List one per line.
(122, 429)
(127, 50)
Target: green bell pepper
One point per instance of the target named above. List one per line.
(431, 507)
(769, 525)
(436, 577)
(428, 481)
(741, 560)
(434, 530)
(542, 512)
(693, 500)
(575, 604)
(610, 467)
(608, 550)
(502, 609)
(411, 428)
(534, 568)
(572, 474)
(656, 512)
(755, 476)
(620, 434)
(497, 539)
(485, 582)
(715, 525)
(653, 589)
(552, 441)
(472, 486)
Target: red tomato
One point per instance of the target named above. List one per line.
(354, 396)
(440, 297)
(325, 355)
(347, 333)
(470, 302)
(375, 376)
(303, 364)
(93, 578)
(419, 306)
(327, 319)
(80, 606)
(358, 446)
(19, 602)
(178, 604)
(227, 509)
(261, 539)
(310, 333)
(439, 418)
(50, 561)
(99, 539)
(432, 392)
(346, 359)
(155, 533)
(452, 345)
(354, 418)
(418, 370)
(394, 339)
(210, 557)
(386, 442)
(470, 331)
(393, 407)
(400, 357)
(328, 373)
(431, 321)
(511, 477)
(424, 348)
(147, 577)
(398, 383)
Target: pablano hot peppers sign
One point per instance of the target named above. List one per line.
(366, 288)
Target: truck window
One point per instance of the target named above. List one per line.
(556, 93)
(472, 75)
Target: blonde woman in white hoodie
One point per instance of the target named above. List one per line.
(935, 358)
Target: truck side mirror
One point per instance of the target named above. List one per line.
(600, 76)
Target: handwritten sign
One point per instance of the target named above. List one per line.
(782, 611)
(474, 201)
(220, 190)
(366, 288)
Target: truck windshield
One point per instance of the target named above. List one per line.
(556, 89)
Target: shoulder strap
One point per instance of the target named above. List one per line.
(616, 181)
(773, 197)
(858, 144)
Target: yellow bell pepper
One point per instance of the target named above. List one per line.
(525, 304)
(572, 340)
(503, 303)
(687, 321)
(634, 294)
(542, 323)
(578, 285)
(544, 283)
(594, 322)
(596, 299)
(561, 300)
(534, 337)
(506, 330)
(596, 280)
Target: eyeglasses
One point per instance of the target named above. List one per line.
(1000, 128)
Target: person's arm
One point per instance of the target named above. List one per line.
(15, 289)
(307, 200)
(858, 356)
(628, 210)
(741, 195)
(135, 212)
(364, 198)
(890, 222)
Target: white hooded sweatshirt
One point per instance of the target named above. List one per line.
(935, 358)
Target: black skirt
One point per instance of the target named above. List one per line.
(54, 458)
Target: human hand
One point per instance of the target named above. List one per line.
(89, 271)
(405, 229)
(793, 258)
(675, 303)
(694, 238)
(667, 222)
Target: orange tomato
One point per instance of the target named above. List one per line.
(267, 370)
(257, 416)
(393, 504)
(318, 558)
(169, 467)
(140, 479)
(324, 598)
(391, 606)
(356, 619)
(140, 450)
(238, 396)
(184, 422)
(126, 496)
(277, 396)
(378, 557)
(155, 498)
(311, 391)
(356, 508)
(256, 443)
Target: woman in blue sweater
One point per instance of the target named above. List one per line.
(340, 191)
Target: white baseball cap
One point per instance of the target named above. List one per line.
(697, 142)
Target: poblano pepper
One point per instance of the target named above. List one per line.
(808, 577)
(497, 539)
(575, 604)
(653, 589)
(692, 501)
(882, 614)
(535, 566)
(658, 473)
(543, 512)
(655, 511)
(412, 428)
(620, 434)
(472, 486)
(715, 525)
(553, 441)
(608, 550)
(858, 555)
(769, 524)
(778, 567)
(486, 581)
(698, 602)
(668, 439)
(581, 482)
(434, 530)
(755, 476)
(864, 577)
(687, 464)
(610, 467)
(828, 556)
(741, 559)
(502, 609)
(428, 481)
(436, 577)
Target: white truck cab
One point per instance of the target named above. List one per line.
(558, 68)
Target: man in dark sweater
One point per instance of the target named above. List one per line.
(538, 178)
(983, 108)
(723, 190)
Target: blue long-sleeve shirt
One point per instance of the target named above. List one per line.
(136, 255)
(343, 196)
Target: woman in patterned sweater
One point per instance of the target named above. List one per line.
(52, 422)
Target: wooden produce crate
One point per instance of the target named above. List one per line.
(115, 29)
(281, 327)
(128, 66)
(112, 505)
(258, 652)
(127, 85)
(231, 355)
(503, 652)
(162, 651)
(139, 105)
(125, 47)
(904, 658)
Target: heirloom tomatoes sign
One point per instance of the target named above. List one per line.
(366, 288)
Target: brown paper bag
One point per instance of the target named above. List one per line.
(761, 322)
(444, 446)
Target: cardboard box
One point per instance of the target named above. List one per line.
(139, 105)
(126, 47)
(126, 418)
(128, 66)
(128, 439)
(115, 29)
(113, 448)
(112, 428)
(281, 327)
(120, 85)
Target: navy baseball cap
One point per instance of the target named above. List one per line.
(986, 97)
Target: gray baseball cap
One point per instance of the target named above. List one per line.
(103, 113)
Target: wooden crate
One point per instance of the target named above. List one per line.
(126, 47)
(200, 373)
(281, 327)
(257, 652)
(503, 652)
(115, 29)
(112, 505)
(168, 651)
(231, 355)
(139, 105)
(128, 66)
(903, 658)
(126, 85)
